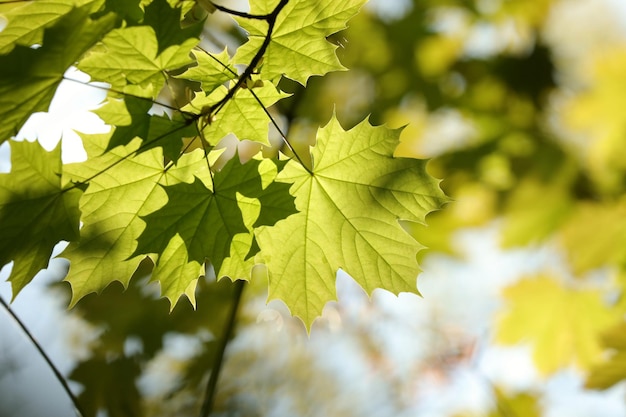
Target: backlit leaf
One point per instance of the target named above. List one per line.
(131, 56)
(298, 48)
(212, 70)
(36, 211)
(29, 77)
(208, 213)
(349, 211)
(131, 120)
(243, 115)
(121, 189)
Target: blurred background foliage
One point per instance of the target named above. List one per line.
(520, 106)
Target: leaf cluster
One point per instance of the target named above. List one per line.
(157, 185)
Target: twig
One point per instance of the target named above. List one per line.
(241, 14)
(54, 369)
(271, 22)
(211, 388)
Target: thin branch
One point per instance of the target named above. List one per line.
(45, 356)
(211, 388)
(241, 14)
(271, 21)
(167, 106)
(143, 146)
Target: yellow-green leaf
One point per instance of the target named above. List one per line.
(562, 325)
(349, 207)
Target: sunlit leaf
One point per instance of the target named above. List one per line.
(122, 187)
(212, 70)
(208, 214)
(298, 48)
(131, 55)
(349, 210)
(29, 77)
(244, 115)
(36, 211)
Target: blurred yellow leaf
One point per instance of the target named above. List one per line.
(521, 404)
(598, 113)
(595, 235)
(533, 212)
(613, 370)
(435, 54)
(562, 324)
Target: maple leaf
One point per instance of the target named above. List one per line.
(243, 115)
(349, 207)
(298, 48)
(36, 211)
(212, 70)
(131, 56)
(562, 324)
(208, 214)
(120, 190)
(29, 77)
(165, 19)
(25, 22)
(131, 119)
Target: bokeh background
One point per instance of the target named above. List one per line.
(520, 106)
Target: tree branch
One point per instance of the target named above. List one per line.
(241, 14)
(45, 356)
(271, 21)
(211, 388)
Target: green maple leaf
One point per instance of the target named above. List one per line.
(36, 211)
(121, 189)
(298, 48)
(212, 70)
(131, 56)
(29, 77)
(562, 324)
(243, 115)
(349, 208)
(26, 21)
(207, 215)
(128, 9)
(166, 21)
(131, 120)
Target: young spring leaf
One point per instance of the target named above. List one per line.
(298, 48)
(349, 208)
(36, 211)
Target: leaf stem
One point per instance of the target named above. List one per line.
(45, 356)
(211, 388)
